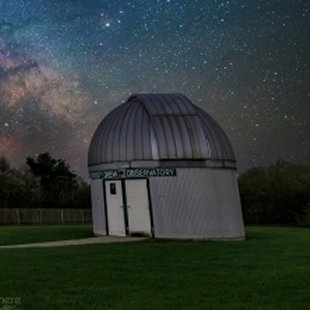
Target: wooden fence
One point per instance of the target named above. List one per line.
(44, 216)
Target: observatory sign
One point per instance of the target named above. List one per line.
(150, 172)
(133, 173)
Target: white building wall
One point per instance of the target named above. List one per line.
(197, 203)
(98, 213)
(229, 203)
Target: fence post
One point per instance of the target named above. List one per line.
(82, 216)
(62, 216)
(17, 216)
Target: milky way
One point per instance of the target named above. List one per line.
(65, 64)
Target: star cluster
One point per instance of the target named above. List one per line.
(65, 64)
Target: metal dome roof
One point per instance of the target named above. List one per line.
(158, 127)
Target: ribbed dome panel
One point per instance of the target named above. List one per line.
(158, 127)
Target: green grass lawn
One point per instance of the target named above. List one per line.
(41, 233)
(271, 270)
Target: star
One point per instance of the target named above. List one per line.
(64, 65)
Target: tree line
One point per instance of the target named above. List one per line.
(278, 194)
(44, 182)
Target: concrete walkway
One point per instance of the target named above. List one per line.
(61, 243)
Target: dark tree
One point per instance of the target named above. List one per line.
(49, 169)
(279, 194)
(18, 188)
(60, 187)
(44, 182)
(4, 165)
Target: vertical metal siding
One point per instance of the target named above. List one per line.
(185, 139)
(194, 138)
(138, 141)
(189, 205)
(122, 139)
(175, 128)
(110, 135)
(210, 136)
(161, 137)
(185, 104)
(154, 145)
(229, 203)
(167, 129)
(129, 133)
(203, 143)
(98, 214)
(183, 209)
(116, 135)
(220, 145)
(146, 135)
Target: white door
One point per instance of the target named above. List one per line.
(139, 220)
(115, 208)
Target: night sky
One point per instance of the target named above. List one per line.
(65, 64)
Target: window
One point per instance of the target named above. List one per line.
(112, 188)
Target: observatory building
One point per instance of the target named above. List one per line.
(161, 166)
